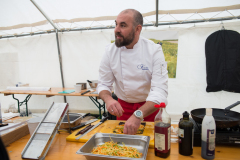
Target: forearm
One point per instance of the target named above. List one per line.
(105, 95)
(112, 105)
(148, 108)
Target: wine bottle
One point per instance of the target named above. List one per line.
(162, 132)
(185, 135)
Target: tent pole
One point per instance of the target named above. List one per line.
(111, 27)
(56, 30)
(60, 62)
(156, 24)
(45, 15)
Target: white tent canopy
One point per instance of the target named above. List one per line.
(22, 17)
(34, 59)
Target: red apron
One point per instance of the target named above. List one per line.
(129, 108)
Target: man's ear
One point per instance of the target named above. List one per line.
(138, 29)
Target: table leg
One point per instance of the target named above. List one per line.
(99, 105)
(21, 103)
(69, 130)
(103, 106)
(18, 103)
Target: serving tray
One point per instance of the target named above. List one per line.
(139, 142)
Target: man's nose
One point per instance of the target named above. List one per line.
(117, 29)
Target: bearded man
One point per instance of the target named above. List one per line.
(137, 67)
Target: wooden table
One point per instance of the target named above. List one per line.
(54, 92)
(62, 150)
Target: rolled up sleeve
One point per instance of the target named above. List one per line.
(159, 82)
(106, 77)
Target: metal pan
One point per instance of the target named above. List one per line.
(84, 85)
(224, 118)
(139, 142)
(93, 84)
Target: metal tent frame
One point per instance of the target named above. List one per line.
(56, 29)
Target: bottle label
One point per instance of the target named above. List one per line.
(192, 136)
(162, 138)
(160, 141)
(181, 132)
(210, 142)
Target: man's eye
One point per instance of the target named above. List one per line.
(122, 25)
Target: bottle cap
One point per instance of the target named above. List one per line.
(185, 114)
(209, 111)
(161, 105)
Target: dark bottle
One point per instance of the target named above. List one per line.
(162, 132)
(185, 135)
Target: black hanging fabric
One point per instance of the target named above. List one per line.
(3, 151)
(222, 51)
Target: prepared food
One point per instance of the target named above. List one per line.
(119, 128)
(113, 149)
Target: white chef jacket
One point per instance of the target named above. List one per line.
(140, 74)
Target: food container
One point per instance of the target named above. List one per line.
(84, 85)
(74, 118)
(93, 84)
(139, 142)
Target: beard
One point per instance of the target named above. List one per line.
(125, 41)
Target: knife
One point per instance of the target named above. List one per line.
(83, 124)
(103, 120)
(87, 114)
(86, 92)
(84, 130)
(89, 81)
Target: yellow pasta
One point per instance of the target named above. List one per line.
(113, 149)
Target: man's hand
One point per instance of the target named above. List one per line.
(131, 126)
(114, 107)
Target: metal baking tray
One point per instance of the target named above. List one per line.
(139, 142)
(73, 117)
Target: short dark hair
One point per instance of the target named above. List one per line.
(137, 17)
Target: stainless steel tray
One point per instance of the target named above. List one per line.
(139, 142)
(73, 117)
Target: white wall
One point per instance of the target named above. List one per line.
(26, 60)
(82, 53)
(35, 60)
(188, 90)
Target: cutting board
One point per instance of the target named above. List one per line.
(108, 126)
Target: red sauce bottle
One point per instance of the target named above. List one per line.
(162, 132)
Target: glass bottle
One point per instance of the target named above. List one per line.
(208, 135)
(0, 114)
(162, 132)
(185, 135)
